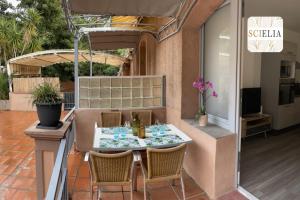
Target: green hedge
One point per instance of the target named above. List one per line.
(65, 71)
(4, 87)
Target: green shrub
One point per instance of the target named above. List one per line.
(65, 71)
(46, 94)
(4, 86)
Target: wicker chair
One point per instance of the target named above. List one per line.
(164, 165)
(110, 169)
(145, 116)
(110, 119)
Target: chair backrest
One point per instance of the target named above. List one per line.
(165, 162)
(110, 119)
(145, 116)
(111, 168)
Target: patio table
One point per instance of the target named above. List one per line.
(122, 139)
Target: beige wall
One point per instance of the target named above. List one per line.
(210, 161)
(27, 85)
(21, 102)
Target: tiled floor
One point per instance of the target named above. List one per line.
(17, 169)
(17, 163)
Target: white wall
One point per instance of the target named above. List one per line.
(294, 37)
(251, 62)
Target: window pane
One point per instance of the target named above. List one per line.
(218, 58)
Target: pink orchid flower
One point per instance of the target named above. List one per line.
(214, 94)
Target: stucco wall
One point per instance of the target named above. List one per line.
(4, 105)
(210, 161)
(21, 102)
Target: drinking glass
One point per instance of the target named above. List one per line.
(157, 122)
(116, 136)
(127, 124)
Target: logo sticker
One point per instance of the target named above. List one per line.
(265, 34)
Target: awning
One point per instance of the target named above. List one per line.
(51, 57)
(124, 21)
(109, 38)
(164, 18)
(153, 8)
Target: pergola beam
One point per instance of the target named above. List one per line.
(67, 60)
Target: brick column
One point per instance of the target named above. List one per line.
(46, 147)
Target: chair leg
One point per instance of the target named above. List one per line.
(99, 193)
(182, 187)
(92, 191)
(173, 182)
(134, 178)
(145, 191)
(131, 192)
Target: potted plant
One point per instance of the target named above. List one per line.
(48, 104)
(206, 90)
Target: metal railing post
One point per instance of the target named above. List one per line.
(76, 40)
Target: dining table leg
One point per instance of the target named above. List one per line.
(137, 162)
(135, 177)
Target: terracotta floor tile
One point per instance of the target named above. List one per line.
(81, 196)
(235, 195)
(24, 195)
(7, 193)
(82, 184)
(162, 193)
(4, 147)
(83, 171)
(191, 188)
(13, 161)
(24, 148)
(198, 197)
(163, 184)
(74, 159)
(71, 182)
(26, 172)
(15, 154)
(8, 181)
(138, 195)
(4, 159)
(112, 196)
(12, 142)
(72, 170)
(2, 178)
(7, 169)
(20, 183)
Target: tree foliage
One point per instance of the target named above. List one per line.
(19, 36)
(41, 25)
(53, 23)
(4, 6)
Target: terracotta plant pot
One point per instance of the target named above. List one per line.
(203, 120)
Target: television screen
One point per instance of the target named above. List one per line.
(251, 100)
